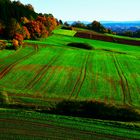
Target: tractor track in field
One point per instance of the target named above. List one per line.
(48, 79)
(41, 72)
(123, 82)
(8, 68)
(51, 128)
(80, 79)
(126, 83)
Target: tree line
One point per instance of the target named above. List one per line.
(95, 26)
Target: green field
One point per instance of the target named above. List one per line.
(54, 71)
(123, 37)
(20, 124)
(109, 72)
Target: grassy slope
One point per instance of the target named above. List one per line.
(109, 73)
(20, 124)
(123, 37)
(64, 32)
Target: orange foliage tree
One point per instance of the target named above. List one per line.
(34, 29)
(19, 38)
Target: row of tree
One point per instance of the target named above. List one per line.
(95, 26)
(98, 27)
(130, 33)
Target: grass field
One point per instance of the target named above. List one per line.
(20, 124)
(49, 71)
(108, 73)
(123, 37)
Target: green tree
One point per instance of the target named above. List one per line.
(97, 26)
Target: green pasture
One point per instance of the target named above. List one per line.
(108, 73)
(65, 32)
(20, 124)
(123, 37)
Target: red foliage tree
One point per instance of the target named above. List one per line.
(19, 38)
(25, 33)
(34, 29)
(49, 22)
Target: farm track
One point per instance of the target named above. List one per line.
(41, 72)
(8, 68)
(80, 80)
(123, 82)
(48, 79)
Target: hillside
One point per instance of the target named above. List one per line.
(32, 125)
(98, 82)
(109, 72)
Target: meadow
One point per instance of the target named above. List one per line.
(21, 124)
(101, 82)
(109, 72)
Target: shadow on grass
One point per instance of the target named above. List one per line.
(81, 46)
(96, 110)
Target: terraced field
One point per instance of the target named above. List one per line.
(20, 124)
(52, 70)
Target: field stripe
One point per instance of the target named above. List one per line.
(84, 76)
(80, 80)
(123, 82)
(42, 72)
(11, 66)
(28, 126)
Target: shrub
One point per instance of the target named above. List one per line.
(19, 38)
(15, 44)
(2, 45)
(81, 45)
(97, 110)
(67, 28)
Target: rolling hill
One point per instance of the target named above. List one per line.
(45, 72)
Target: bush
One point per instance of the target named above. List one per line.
(67, 28)
(96, 110)
(15, 44)
(81, 45)
(19, 38)
(2, 45)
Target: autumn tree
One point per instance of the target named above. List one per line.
(34, 29)
(24, 20)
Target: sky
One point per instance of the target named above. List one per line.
(89, 10)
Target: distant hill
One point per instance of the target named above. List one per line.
(122, 26)
(117, 26)
(85, 22)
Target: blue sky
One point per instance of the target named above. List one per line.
(89, 10)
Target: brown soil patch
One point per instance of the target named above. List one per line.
(102, 37)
